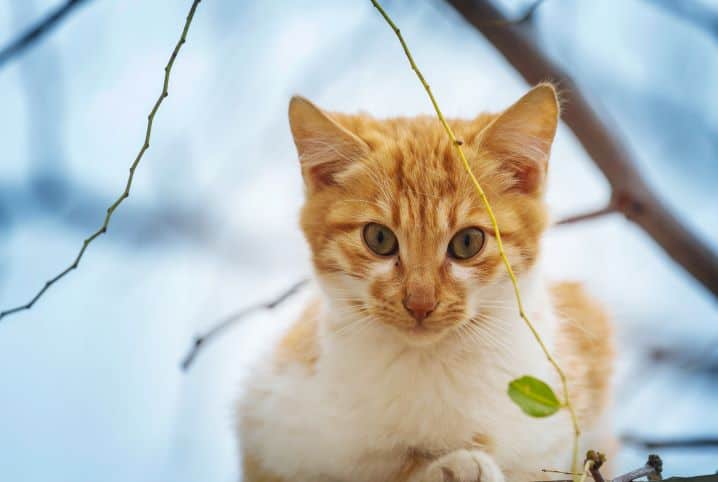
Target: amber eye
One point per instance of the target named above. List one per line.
(380, 239)
(466, 243)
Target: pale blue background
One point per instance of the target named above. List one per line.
(90, 388)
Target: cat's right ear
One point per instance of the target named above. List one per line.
(325, 148)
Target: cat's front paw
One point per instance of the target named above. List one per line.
(463, 466)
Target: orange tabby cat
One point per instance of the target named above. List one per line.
(398, 370)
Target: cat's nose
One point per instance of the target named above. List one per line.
(419, 305)
(420, 299)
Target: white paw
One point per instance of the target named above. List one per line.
(463, 466)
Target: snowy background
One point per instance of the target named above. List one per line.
(90, 386)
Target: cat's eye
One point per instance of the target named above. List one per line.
(466, 243)
(380, 239)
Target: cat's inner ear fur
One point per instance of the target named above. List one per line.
(325, 148)
(521, 137)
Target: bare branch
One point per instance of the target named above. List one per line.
(37, 31)
(110, 210)
(652, 470)
(671, 443)
(230, 320)
(577, 218)
(631, 194)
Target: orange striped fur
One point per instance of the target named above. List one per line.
(365, 386)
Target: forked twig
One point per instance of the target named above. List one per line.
(37, 31)
(224, 324)
(632, 195)
(596, 213)
(125, 194)
(652, 470)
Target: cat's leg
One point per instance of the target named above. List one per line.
(471, 465)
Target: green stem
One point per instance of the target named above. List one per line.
(499, 243)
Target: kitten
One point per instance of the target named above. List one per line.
(398, 371)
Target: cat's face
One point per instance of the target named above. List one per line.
(398, 233)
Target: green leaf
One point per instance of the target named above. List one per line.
(533, 396)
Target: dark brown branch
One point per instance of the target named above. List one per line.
(37, 31)
(652, 470)
(577, 218)
(126, 193)
(675, 443)
(230, 320)
(631, 195)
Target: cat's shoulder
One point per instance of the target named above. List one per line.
(582, 316)
(584, 345)
(300, 345)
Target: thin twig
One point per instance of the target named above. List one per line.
(632, 194)
(37, 31)
(652, 470)
(227, 322)
(495, 226)
(562, 472)
(577, 218)
(133, 167)
(677, 443)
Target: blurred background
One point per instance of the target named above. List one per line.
(90, 384)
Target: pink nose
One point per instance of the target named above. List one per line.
(419, 305)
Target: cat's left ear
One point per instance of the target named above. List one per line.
(521, 137)
(325, 147)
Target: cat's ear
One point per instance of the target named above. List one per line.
(522, 135)
(325, 148)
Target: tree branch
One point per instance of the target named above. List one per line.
(577, 218)
(652, 470)
(103, 229)
(229, 321)
(37, 31)
(631, 194)
(666, 443)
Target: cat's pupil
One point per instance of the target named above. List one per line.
(380, 237)
(467, 240)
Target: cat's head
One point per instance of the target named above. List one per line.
(398, 233)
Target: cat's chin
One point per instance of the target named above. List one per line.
(421, 336)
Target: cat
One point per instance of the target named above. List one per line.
(398, 369)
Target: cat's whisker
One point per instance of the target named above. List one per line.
(487, 332)
(347, 324)
(355, 327)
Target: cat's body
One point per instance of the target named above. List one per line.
(362, 388)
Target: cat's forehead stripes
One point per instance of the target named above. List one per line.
(404, 173)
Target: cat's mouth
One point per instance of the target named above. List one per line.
(421, 330)
(421, 334)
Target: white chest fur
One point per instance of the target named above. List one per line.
(371, 399)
